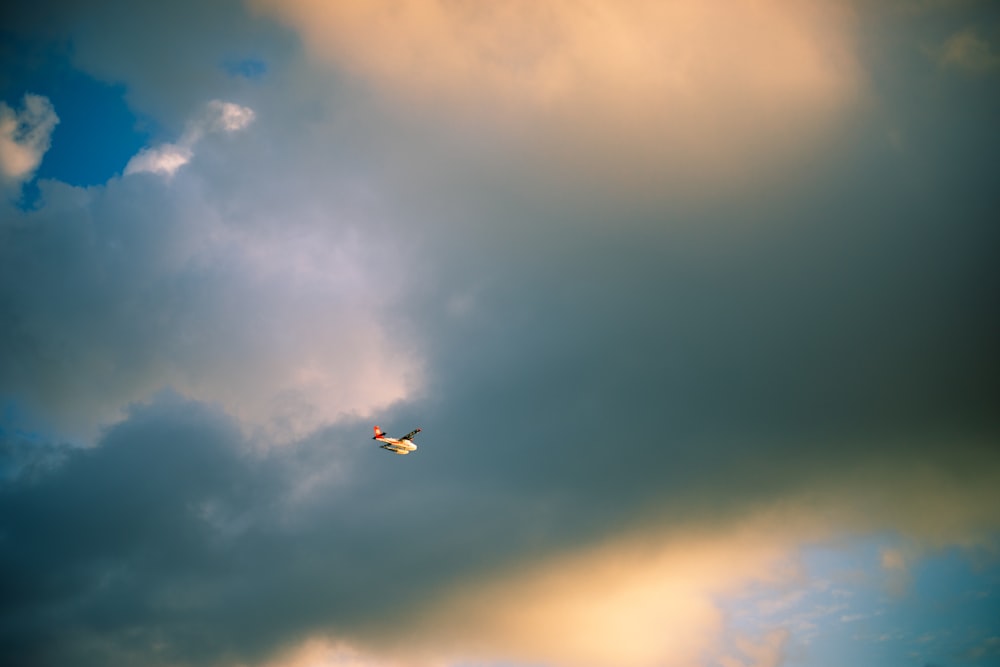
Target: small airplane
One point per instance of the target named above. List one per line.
(402, 445)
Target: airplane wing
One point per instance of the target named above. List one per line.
(409, 436)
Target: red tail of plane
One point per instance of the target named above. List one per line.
(378, 433)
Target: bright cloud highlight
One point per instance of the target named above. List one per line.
(164, 159)
(282, 330)
(167, 158)
(691, 89)
(25, 136)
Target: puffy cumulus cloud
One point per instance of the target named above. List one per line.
(684, 89)
(217, 116)
(167, 158)
(228, 116)
(164, 159)
(25, 137)
(117, 291)
(667, 411)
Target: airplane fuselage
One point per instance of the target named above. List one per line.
(397, 446)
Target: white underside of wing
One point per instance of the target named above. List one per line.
(399, 446)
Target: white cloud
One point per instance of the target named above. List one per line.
(230, 117)
(167, 158)
(164, 159)
(25, 136)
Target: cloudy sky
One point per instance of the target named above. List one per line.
(696, 303)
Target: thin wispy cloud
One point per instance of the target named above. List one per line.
(167, 158)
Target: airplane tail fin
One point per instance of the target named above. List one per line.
(378, 433)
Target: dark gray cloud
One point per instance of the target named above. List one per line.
(88, 546)
(586, 359)
(170, 533)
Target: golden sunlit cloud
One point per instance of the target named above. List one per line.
(700, 87)
(654, 594)
(25, 136)
(629, 603)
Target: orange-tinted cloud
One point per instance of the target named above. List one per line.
(684, 87)
(654, 594)
(24, 137)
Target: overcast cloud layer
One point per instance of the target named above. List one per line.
(678, 292)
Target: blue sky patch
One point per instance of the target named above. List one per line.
(97, 133)
(849, 610)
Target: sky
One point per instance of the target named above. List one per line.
(694, 301)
